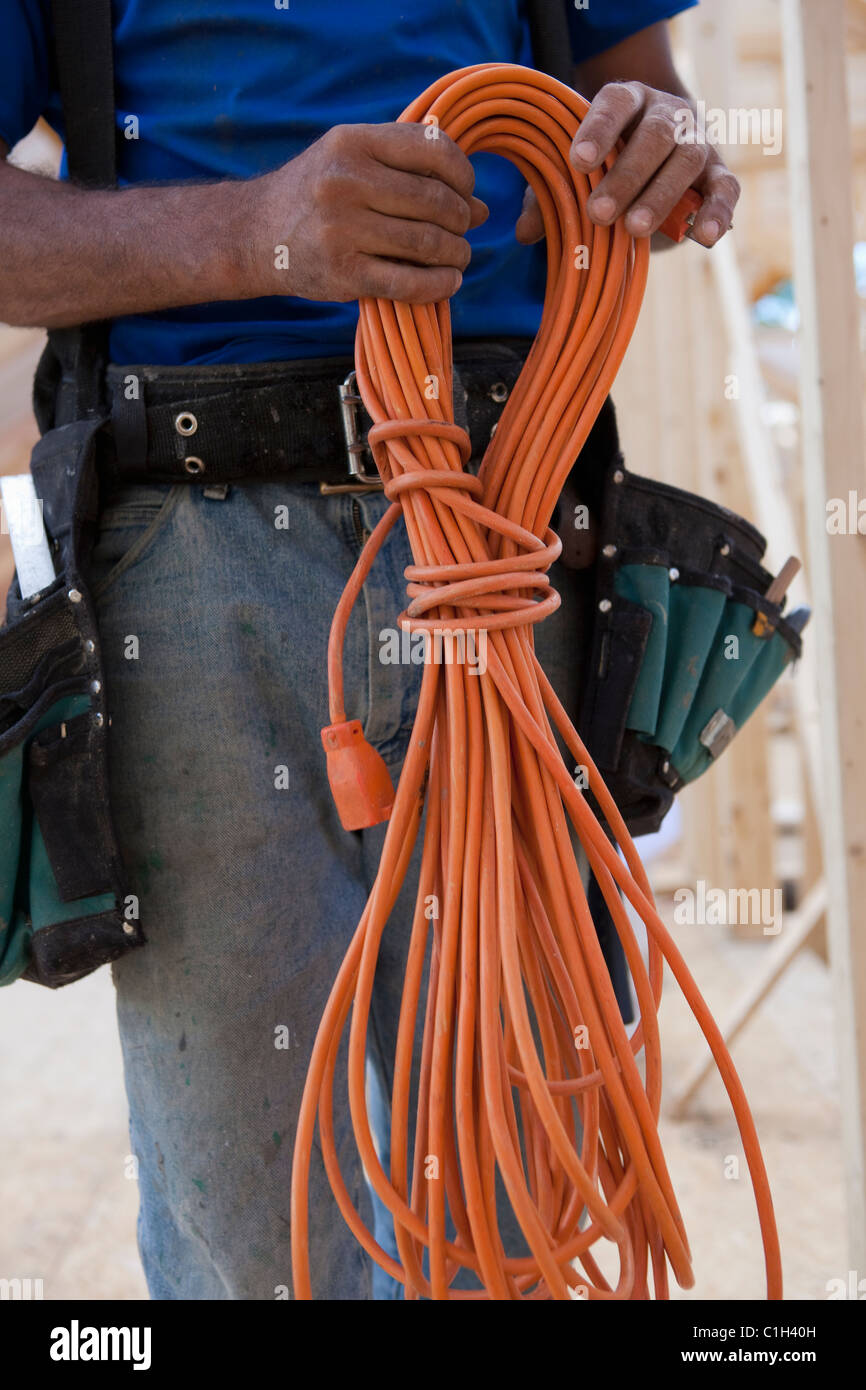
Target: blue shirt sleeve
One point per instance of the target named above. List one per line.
(602, 23)
(26, 77)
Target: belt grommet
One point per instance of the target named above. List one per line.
(193, 464)
(185, 422)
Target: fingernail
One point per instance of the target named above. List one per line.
(603, 207)
(586, 151)
(639, 221)
(711, 229)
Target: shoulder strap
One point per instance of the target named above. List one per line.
(69, 380)
(84, 53)
(550, 37)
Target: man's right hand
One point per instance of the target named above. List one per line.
(367, 210)
(378, 210)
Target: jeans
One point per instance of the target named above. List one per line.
(214, 614)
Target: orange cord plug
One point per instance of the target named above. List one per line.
(360, 782)
(681, 219)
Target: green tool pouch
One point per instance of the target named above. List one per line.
(685, 645)
(61, 875)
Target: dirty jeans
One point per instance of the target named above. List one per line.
(214, 616)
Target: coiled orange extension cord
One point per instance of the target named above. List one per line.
(520, 1016)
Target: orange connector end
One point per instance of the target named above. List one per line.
(360, 782)
(681, 219)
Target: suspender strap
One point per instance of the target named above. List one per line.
(85, 70)
(83, 52)
(551, 38)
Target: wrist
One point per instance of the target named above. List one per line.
(255, 255)
(238, 266)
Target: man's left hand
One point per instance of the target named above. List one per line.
(652, 171)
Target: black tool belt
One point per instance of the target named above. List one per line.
(669, 579)
(301, 420)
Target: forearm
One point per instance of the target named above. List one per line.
(70, 255)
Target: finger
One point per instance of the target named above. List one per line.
(421, 149)
(610, 113)
(422, 243)
(385, 279)
(530, 224)
(396, 193)
(661, 195)
(480, 212)
(648, 148)
(721, 192)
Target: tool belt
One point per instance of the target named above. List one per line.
(677, 643)
(301, 420)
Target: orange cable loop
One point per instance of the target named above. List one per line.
(516, 971)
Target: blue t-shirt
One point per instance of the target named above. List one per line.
(234, 88)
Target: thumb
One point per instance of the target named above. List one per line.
(530, 227)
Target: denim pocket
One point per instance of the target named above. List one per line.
(129, 522)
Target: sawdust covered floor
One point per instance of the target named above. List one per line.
(67, 1185)
(68, 1190)
(787, 1061)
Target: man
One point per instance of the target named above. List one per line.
(265, 188)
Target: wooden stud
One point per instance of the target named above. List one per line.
(818, 143)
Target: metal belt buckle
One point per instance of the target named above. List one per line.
(357, 448)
